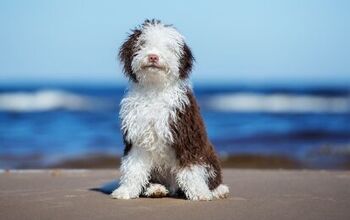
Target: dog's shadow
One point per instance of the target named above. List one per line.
(107, 188)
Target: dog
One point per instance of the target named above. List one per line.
(167, 150)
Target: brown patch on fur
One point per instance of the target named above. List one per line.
(191, 142)
(126, 53)
(186, 62)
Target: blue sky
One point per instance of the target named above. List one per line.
(248, 41)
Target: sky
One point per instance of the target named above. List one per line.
(247, 41)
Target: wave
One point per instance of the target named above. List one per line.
(47, 100)
(279, 103)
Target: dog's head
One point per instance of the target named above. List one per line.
(156, 53)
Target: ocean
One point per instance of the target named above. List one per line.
(41, 126)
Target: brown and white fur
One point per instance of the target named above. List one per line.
(167, 150)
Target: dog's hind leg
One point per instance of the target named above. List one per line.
(193, 182)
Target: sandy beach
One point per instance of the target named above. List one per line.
(255, 194)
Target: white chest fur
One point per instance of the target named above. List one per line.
(146, 114)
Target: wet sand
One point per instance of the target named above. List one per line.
(232, 161)
(255, 194)
(107, 161)
(236, 161)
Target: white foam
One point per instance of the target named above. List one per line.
(279, 103)
(43, 100)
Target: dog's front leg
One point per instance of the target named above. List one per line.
(135, 172)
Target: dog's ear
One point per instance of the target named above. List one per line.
(186, 62)
(127, 52)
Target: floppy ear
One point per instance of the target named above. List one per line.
(186, 62)
(126, 53)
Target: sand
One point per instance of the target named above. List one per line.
(255, 194)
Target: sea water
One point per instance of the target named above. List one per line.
(42, 125)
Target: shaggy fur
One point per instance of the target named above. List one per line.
(167, 151)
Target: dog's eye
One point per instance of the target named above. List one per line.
(139, 46)
(142, 43)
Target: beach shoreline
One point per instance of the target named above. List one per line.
(111, 161)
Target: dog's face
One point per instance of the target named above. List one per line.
(156, 53)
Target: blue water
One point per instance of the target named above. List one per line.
(42, 125)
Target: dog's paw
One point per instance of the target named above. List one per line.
(221, 192)
(156, 191)
(123, 193)
(200, 197)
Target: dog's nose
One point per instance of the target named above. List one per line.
(153, 58)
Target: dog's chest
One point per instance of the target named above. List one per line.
(146, 120)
